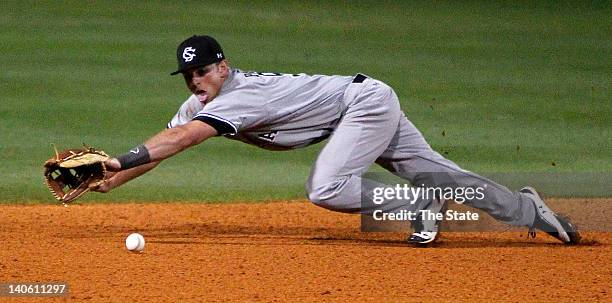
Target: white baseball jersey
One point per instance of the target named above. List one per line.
(270, 110)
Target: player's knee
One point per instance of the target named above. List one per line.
(322, 197)
(326, 194)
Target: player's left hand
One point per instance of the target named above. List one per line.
(71, 173)
(105, 185)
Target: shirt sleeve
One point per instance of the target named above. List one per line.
(221, 125)
(186, 112)
(229, 115)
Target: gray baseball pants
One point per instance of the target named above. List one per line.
(374, 129)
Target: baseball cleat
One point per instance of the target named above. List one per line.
(547, 221)
(423, 237)
(426, 231)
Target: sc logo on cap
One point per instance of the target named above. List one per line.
(189, 53)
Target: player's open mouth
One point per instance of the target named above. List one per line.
(202, 96)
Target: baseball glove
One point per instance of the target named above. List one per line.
(71, 173)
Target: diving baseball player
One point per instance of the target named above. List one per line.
(362, 120)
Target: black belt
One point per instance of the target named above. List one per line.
(359, 78)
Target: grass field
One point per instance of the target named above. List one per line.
(498, 87)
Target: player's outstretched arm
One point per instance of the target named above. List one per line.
(144, 158)
(116, 179)
(174, 140)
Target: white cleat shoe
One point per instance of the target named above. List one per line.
(425, 231)
(423, 237)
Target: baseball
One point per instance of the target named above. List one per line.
(135, 242)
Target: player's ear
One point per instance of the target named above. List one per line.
(223, 67)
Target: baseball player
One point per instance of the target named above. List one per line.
(362, 120)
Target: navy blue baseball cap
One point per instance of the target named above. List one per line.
(197, 51)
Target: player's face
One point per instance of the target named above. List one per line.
(205, 81)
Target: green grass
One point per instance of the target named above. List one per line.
(514, 87)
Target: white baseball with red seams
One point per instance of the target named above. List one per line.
(135, 242)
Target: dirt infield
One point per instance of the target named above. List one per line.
(284, 251)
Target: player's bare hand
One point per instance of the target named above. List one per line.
(101, 187)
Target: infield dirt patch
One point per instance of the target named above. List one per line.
(283, 251)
